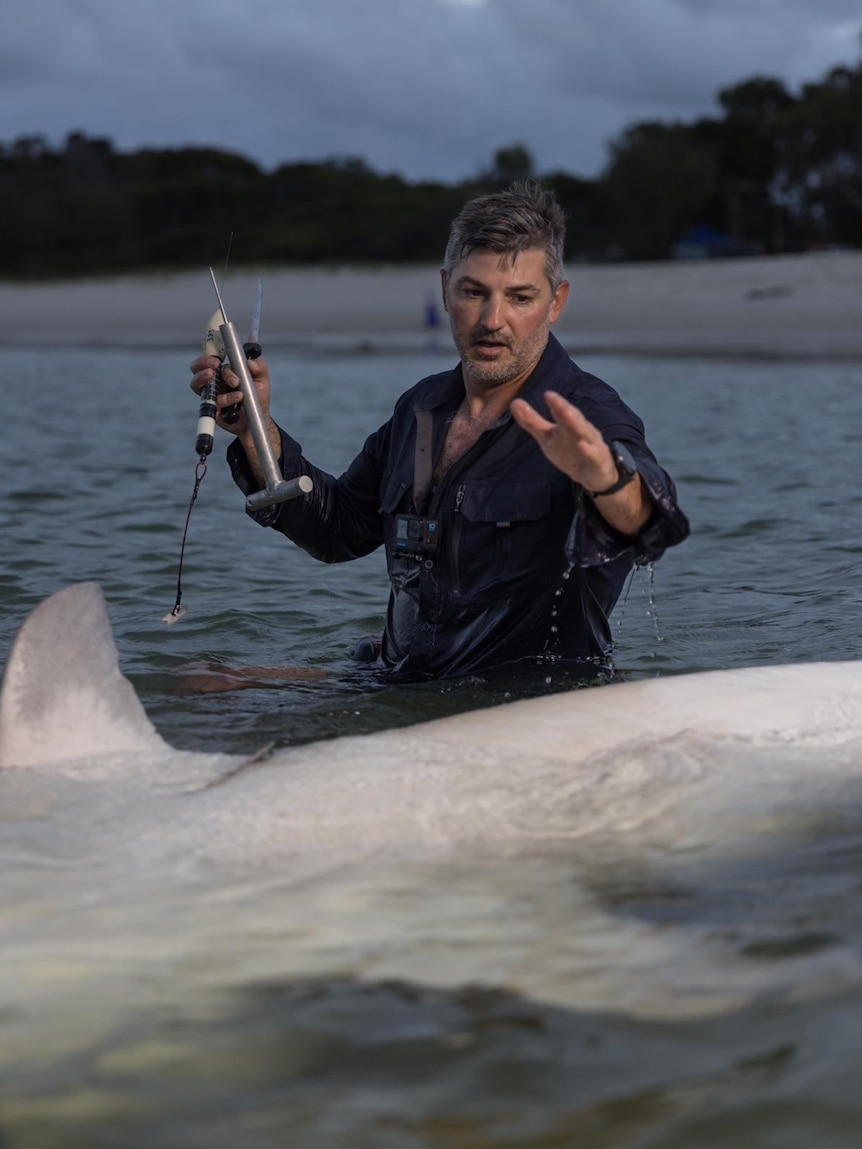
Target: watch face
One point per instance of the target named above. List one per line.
(626, 469)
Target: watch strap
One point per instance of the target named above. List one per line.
(625, 474)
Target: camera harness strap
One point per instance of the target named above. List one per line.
(423, 461)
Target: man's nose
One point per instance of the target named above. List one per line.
(492, 314)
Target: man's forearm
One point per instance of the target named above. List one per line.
(627, 510)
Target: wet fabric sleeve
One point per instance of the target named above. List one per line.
(340, 519)
(593, 541)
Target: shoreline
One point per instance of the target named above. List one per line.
(795, 306)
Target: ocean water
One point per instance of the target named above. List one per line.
(99, 466)
(100, 469)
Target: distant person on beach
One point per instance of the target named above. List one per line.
(513, 493)
(432, 315)
(432, 320)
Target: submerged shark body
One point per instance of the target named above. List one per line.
(519, 847)
(567, 765)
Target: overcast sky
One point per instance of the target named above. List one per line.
(429, 89)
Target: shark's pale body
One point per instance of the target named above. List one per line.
(478, 848)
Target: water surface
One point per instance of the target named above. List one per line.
(101, 466)
(210, 1026)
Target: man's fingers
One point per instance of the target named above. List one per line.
(200, 380)
(570, 441)
(530, 419)
(566, 418)
(569, 416)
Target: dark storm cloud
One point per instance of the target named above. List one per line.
(428, 88)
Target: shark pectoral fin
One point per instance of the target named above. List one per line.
(214, 679)
(63, 695)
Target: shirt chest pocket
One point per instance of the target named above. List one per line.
(502, 535)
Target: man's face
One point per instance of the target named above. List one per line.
(501, 310)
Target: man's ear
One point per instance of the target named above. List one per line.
(561, 296)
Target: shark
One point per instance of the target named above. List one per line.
(563, 766)
(523, 846)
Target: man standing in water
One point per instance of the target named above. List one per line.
(513, 493)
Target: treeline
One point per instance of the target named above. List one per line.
(774, 171)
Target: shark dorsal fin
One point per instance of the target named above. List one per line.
(63, 695)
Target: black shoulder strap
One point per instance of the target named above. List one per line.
(423, 462)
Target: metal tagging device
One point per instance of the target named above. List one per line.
(276, 489)
(220, 341)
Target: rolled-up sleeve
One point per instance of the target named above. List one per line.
(592, 541)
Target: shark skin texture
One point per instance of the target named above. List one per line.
(567, 764)
(488, 847)
(65, 698)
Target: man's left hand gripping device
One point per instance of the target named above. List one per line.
(221, 340)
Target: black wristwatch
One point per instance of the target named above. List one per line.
(626, 469)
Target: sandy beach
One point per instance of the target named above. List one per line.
(793, 306)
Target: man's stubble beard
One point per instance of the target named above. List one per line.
(494, 374)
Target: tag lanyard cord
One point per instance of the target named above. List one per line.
(200, 471)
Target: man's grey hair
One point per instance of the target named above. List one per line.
(523, 217)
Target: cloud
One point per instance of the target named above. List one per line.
(427, 88)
